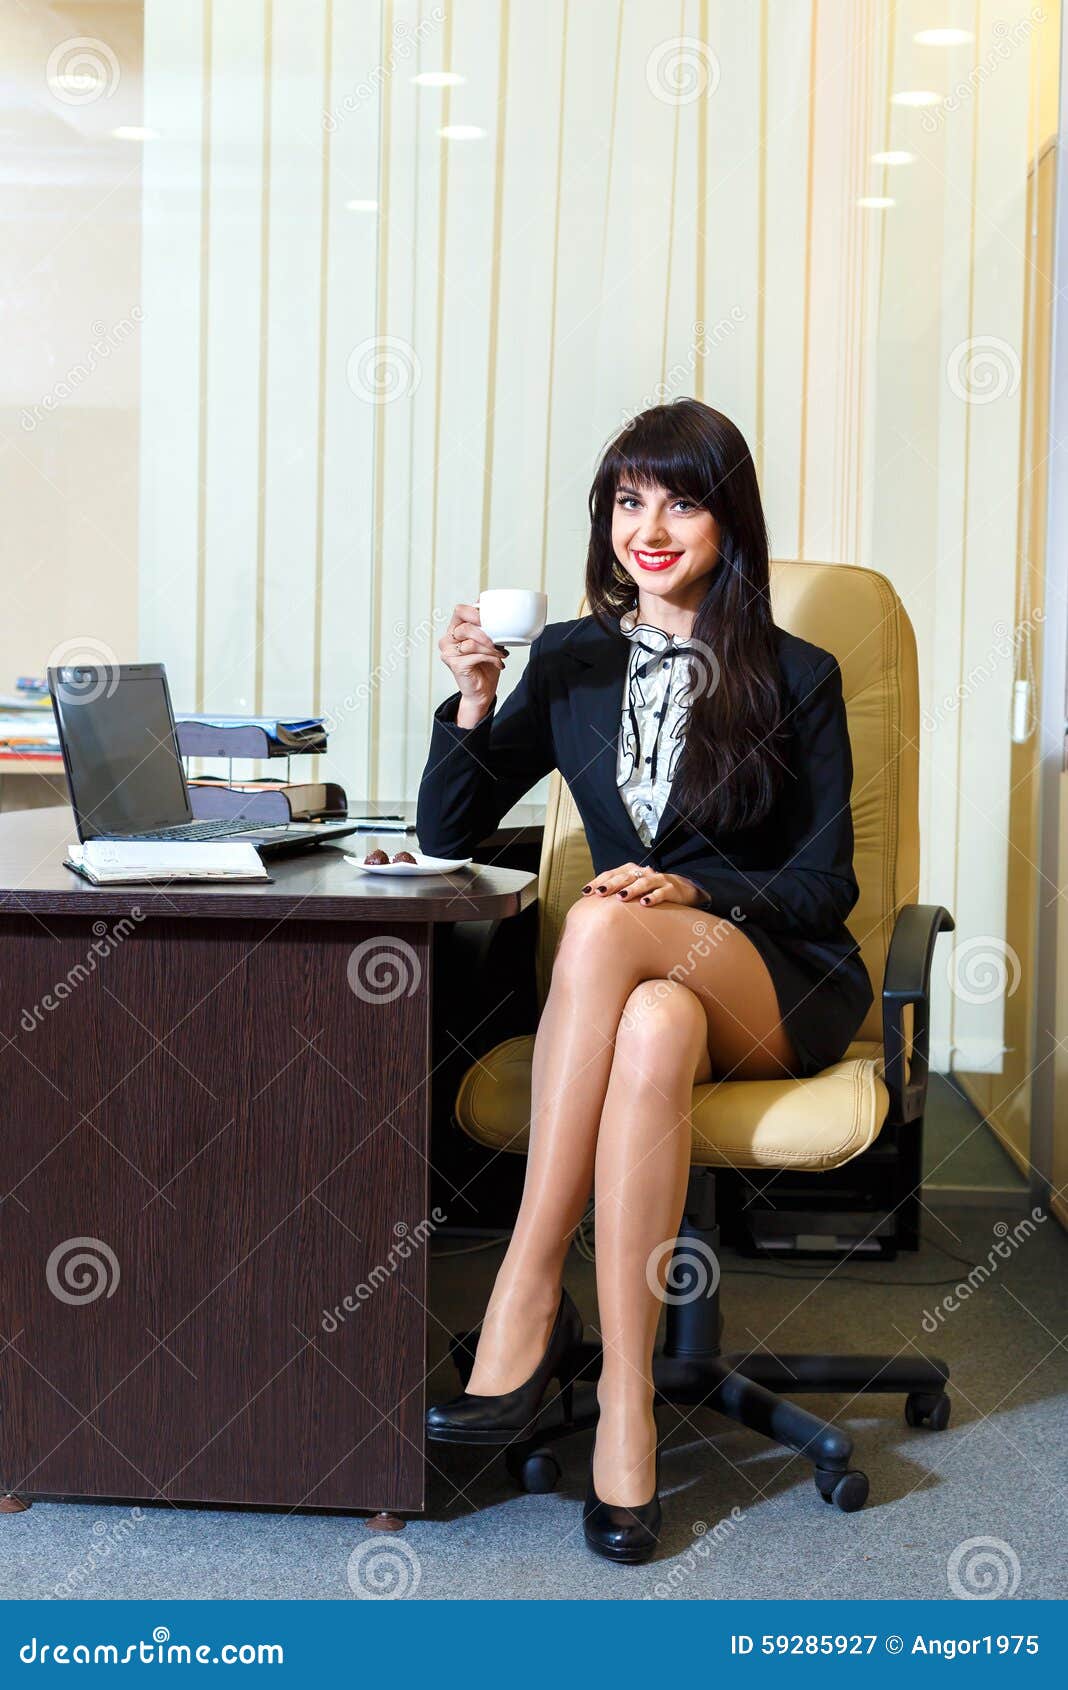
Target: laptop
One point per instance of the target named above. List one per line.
(124, 771)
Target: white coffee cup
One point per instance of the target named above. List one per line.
(511, 615)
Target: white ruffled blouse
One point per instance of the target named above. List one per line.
(653, 724)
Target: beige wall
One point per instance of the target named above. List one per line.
(69, 378)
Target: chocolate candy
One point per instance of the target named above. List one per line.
(376, 857)
(404, 857)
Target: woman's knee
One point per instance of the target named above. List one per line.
(663, 1027)
(593, 927)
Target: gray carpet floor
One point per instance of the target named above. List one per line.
(742, 1520)
(958, 1149)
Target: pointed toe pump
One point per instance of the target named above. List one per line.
(501, 1420)
(619, 1533)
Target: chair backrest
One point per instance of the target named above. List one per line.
(856, 614)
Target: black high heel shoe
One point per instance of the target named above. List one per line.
(619, 1533)
(501, 1420)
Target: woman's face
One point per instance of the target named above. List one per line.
(666, 543)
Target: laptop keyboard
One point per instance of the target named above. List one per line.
(204, 830)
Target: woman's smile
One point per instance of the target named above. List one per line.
(655, 560)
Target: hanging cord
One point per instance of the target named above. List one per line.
(585, 1246)
(851, 1278)
(473, 1249)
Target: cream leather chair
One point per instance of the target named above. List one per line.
(816, 1124)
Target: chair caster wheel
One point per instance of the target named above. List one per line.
(923, 1409)
(535, 1471)
(848, 1491)
(926, 1410)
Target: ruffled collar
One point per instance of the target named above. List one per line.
(653, 640)
(651, 637)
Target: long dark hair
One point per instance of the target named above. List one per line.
(731, 765)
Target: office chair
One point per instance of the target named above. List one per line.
(879, 1086)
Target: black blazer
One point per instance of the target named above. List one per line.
(788, 881)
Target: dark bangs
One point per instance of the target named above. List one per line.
(658, 449)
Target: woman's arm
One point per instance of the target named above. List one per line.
(816, 888)
(474, 775)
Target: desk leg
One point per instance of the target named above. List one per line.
(215, 1231)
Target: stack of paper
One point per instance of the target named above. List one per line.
(121, 862)
(249, 736)
(28, 733)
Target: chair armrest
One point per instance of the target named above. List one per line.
(908, 980)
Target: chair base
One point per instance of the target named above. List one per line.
(691, 1371)
(740, 1387)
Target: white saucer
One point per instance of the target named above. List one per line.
(421, 865)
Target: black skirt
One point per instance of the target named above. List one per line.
(824, 993)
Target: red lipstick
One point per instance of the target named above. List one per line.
(654, 560)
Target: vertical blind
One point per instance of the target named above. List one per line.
(389, 323)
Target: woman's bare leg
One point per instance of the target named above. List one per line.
(642, 1169)
(572, 1060)
(605, 951)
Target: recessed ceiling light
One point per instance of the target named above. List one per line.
(76, 81)
(916, 97)
(893, 158)
(438, 78)
(361, 205)
(943, 37)
(875, 202)
(132, 132)
(461, 132)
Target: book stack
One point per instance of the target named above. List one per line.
(27, 725)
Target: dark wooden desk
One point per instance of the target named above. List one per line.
(223, 1110)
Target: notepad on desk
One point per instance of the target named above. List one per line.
(133, 862)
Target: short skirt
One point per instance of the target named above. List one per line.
(823, 989)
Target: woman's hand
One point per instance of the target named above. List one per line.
(637, 885)
(476, 663)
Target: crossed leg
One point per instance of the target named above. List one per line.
(643, 1004)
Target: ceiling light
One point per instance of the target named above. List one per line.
(361, 205)
(76, 81)
(893, 158)
(916, 97)
(132, 132)
(461, 132)
(943, 37)
(438, 78)
(875, 202)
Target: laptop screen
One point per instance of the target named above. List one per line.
(117, 733)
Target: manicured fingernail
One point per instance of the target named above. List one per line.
(645, 900)
(602, 888)
(586, 888)
(621, 894)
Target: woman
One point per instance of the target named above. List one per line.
(708, 754)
